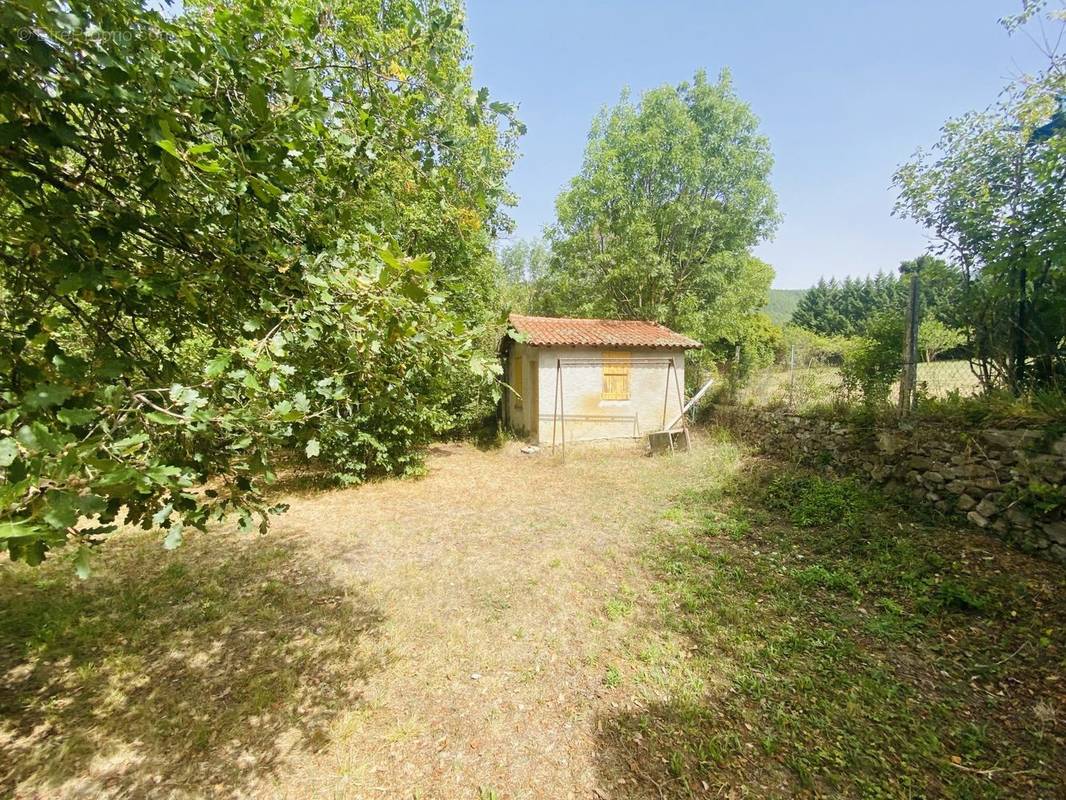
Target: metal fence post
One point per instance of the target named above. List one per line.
(792, 377)
(908, 380)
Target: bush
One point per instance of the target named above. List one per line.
(812, 501)
(873, 361)
(810, 347)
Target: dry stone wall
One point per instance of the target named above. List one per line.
(1007, 481)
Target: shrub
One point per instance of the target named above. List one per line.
(873, 361)
(812, 501)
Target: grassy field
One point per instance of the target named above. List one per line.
(836, 646)
(818, 384)
(611, 626)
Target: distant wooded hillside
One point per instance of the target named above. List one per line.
(782, 303)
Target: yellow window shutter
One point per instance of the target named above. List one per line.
(516, 380)
(616, 375)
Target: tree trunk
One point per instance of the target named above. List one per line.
(1020, 339)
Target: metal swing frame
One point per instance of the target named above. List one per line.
(559, 400)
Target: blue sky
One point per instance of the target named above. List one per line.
(846, 91)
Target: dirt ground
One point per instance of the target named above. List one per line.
(451, 636)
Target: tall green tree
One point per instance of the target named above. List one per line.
(843, 308)
(523, 264)
(524, 260)
(256, 224)
(941, 285)
(992, 191)
(673, 194)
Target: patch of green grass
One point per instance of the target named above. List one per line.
(674, 514)
(812, 501)
(954, 595)
(735, 529)
(651, 653)
(844, 647)
(832, 579)
(612, 677)
(620, 605)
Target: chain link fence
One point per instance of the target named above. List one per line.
(896, 364)
(802, 383)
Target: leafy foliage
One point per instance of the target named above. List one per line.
(201, 253)
(940, 286)
(523, 263)
(992, 191)
(934, 338)
(872, 361)
(811, 501)
(809, 348)
(525, 260)
(842, 308)
(761, 340)
(673, 193)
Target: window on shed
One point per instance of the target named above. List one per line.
(516, 381)
(616, 376)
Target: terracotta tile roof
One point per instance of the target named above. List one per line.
(547, 331)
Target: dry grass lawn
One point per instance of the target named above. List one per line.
(817, 384)
(495, 576)
(442, 637)
(512, 626)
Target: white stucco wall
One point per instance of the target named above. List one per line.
(587, 415)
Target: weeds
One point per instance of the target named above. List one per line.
(834, 580)
(846, 648)
(612, 677)
(619, 606)
(812, 501)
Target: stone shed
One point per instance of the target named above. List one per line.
(578, 380)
